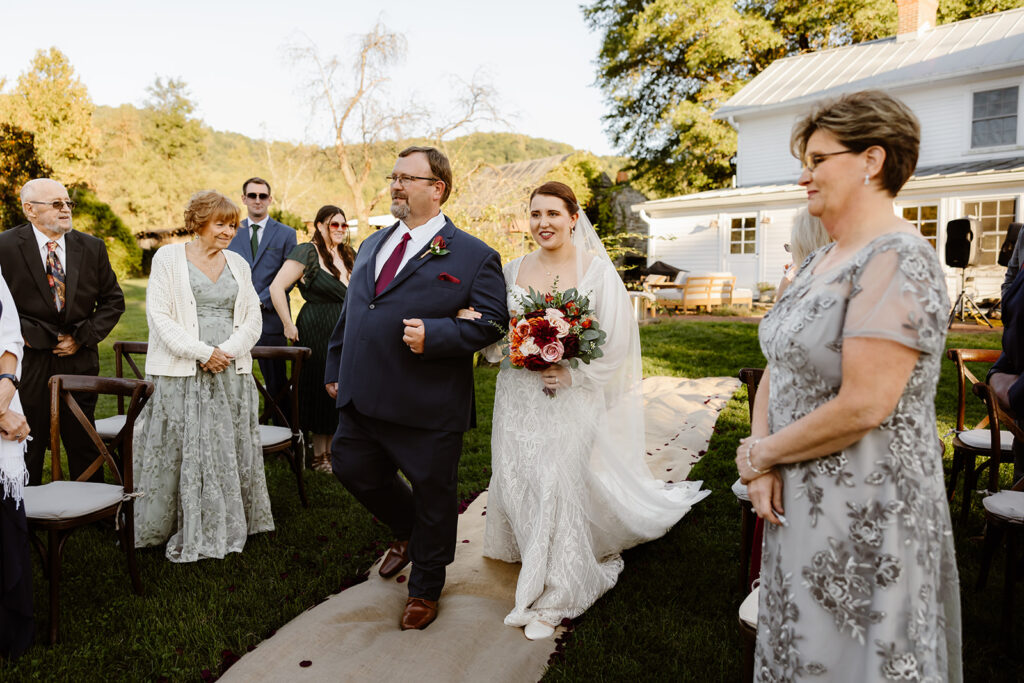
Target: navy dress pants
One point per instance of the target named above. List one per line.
(367, 455)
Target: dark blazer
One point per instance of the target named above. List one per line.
(93, 299)
(276, 243)
(377, 373)
(1011, 361)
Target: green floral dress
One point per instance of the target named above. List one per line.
(197, 452)
(324, 296)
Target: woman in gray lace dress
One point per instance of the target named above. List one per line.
(198, 458)
(858, 576)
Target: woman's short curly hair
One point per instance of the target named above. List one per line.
(209, 206)
(865, 119)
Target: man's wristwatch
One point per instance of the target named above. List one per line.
(13, 378)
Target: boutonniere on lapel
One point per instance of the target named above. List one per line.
(446, 277)
(438, 247)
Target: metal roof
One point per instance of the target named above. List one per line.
(987, 43)
(925, 177)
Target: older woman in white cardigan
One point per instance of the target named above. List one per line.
(197, 450)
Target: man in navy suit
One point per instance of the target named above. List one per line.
(400, 364)
(265, 245)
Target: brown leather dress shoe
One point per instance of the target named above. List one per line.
(395, 559)
(418, 613)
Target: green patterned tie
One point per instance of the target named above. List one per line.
(255, 241)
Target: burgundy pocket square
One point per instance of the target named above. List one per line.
(449, 278)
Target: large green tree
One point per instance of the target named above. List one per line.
(666, 65)
(19, 164)
(51, 102)
(153, 158)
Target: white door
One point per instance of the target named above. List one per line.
(741, 251)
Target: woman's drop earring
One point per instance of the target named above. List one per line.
(867, 178)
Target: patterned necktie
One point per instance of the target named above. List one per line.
(390, 269)
(255, 240)
(55, 275)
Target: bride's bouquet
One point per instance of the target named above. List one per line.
(553, 327)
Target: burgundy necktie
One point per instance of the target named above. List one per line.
(390, 269)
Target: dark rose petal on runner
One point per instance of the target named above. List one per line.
(305, 662)
(401, 579)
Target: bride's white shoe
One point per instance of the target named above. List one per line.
(538, 630)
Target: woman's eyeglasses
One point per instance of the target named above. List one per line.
(336, 225)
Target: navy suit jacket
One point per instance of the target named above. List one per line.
(276, 242)
(1011, 361)
(377, 373)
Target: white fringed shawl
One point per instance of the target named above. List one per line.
(13, 473)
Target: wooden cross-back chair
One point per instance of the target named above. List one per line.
(60, 507)
(1004, 510)
(751, 378)
(124, 352)
(285, 436)
(969, 444)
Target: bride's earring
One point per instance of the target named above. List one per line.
(867, 178)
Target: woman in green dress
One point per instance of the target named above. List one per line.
(321, 268)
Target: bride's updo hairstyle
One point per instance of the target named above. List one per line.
(562, 191)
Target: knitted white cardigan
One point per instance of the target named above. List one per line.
(174, 343)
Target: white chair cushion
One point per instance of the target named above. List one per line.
(1006, 504)
(982, 438)
(680, 277)
(740, 491)
(109, 427)
(272, 435)
(69, 499)
(748, 609)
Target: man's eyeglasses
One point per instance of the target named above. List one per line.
(406, 179)
(336, 225)
(56, 204)
(812, 161)
(262, 196)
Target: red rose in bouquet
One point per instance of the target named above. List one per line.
(555, 327)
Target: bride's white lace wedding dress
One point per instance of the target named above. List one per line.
(569, 487)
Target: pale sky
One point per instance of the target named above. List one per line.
(537, 54)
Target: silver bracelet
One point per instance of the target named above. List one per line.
(751, 464)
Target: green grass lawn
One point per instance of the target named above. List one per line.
(672, 617)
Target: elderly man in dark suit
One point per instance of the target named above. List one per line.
(68, 301)
(265, 244)
(400, 365)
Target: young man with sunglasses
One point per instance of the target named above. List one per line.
(265, 244)
(68, 300)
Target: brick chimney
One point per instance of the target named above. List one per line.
(914, 17)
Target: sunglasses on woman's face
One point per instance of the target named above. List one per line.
(336, 225)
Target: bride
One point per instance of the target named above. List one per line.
(570, 488)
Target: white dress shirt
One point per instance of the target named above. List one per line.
(62, 254)
(258, 227)
(421, 236)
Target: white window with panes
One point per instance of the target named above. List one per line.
(925, 217)
(994, 117)
(743, 235)
(993, 216)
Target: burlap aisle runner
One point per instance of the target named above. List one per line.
(354, 635)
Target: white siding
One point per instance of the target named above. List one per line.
(944, 111)
(763, 156)
(687, 242)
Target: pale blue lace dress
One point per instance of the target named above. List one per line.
(198, 457)
(862, 585)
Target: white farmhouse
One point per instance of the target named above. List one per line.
(964, 82)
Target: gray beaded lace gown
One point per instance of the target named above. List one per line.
(862, 585)
(198, 457)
